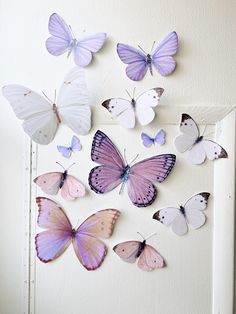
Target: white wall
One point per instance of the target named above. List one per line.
(205, 75)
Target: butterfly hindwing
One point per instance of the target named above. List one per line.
(150, 259)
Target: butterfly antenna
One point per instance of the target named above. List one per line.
(47, 98)
(71, 165)
(134, 92)
(73, 35)
(55, 96)
(60, 165)
(151, 235)
(141, 235)
(204, 129)
(153, 46)
(210, 133)
(128, 94)
(134, 159)
(125, 156)
(142, 50)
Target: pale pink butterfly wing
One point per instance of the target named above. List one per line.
(194, 207)
(90, 250)
(52, 243)
(127, 251)
(49, 182)
(150, 259)
(72, 188)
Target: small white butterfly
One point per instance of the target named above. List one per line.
(142, 107)
(191, 213)
(41, 118)
(199, 147)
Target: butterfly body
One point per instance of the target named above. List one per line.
(161, 59)
(198, 146)
(88, 247)
(113, 171)
(191, 213)
(141, 108)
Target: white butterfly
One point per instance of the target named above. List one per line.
(41, 118)
(199, 147)
(126, 110)
(191, 213)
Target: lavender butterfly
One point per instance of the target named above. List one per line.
(90, 250)
(159, 139)
(62, 40)
(113, 171)
(139, 62)
(67, 150)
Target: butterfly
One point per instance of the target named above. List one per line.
(52, 182)
(89, 249)
(62, 40)
(126, 110)
(159, 139)
(199, 147)
(67, 150)
(113, 171)
(191, 213)
(41, 118)
(139, 62)
(148, 258)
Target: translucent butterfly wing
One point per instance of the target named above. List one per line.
(105, 153)
(86, 46)
(72, 189)
(72, 102)
(162, 56)
(65, 151)
(122, 110)
(52, 243)
(61, 35)
(49, 182)
(75, 144)
(40, 122)
(127, 251)
(147, 140)
(90, 250)
(145, 103)
(150, 259)
(136, 60)
(160, 137)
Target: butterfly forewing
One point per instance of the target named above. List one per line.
(127, 251)
(49, 182)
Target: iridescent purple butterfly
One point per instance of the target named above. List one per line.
(159, 139)
(62, 40)
(113, 171)
(67, 150)
(139, 61)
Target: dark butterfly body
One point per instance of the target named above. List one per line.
(113, 171)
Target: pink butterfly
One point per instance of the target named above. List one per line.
(52, 182)
(90, 250)
(148, 258)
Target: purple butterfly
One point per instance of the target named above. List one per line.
(62, 40)
(74, 146)
(159, 139)
(113, 171)
(161, 58)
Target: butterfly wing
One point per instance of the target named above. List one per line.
(72, 188)
(136, 60)
(86, 46)
(52, 243)
(147, 140)
(145, 103)
(172, 216)
(194, 207)
(65, 151)
(90, 250)
(75, 144)
(214, 150)
(72, 101)
(160, 137)
(150, 259)
(162, 56)
(127, 251)
(61, 35)
(49, 182)
(122, 110)
(40, 123)
(190, 134)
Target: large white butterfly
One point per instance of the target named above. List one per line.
(199, 147)
(126, 110)
(41, 118)
(191, 213)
